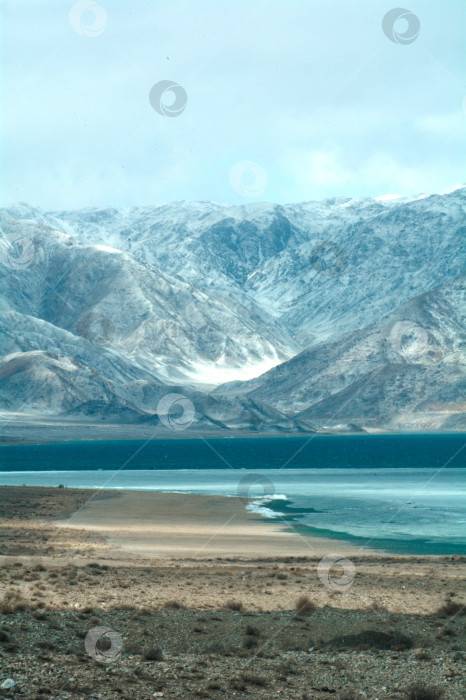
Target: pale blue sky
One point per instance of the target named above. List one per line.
(311, 91)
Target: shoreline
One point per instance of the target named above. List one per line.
(60, 430)
(148, 524)
(51, 440)
(277, 515)
(179, 524)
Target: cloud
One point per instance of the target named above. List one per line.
(314, 93)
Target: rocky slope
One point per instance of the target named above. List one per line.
(408, 369)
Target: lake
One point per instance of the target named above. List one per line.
(398, 493)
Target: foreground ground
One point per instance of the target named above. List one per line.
(210, 626)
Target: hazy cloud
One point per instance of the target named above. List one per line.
(315, 93)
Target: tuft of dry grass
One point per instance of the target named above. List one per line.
(253, 679)
(173, 605)
(421, 691)
(12, 602)
(304, 605)
(250, 642)
(153, 654)
(234, 605)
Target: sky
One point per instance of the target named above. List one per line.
(274, 100)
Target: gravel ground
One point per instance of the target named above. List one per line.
(218, 651)
(220, 627)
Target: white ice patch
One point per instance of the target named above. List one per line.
(219, 373)
(107, 249)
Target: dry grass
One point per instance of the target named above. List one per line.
(174, 605)
(153, 654)
(304, 605)
(420, 691)
(12, 602)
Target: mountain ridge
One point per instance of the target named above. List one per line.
(194, 295)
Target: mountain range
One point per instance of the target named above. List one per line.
(342, 314)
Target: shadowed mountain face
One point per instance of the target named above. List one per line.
(406, 370)
(354, 309)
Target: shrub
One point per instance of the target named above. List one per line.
(295, 644)
(214, 685)
(153, 654)
(40, 615)
(371, 639)
(304, 605)
(420, 691)
(235, 605)
(252, 679)
(250, 642)
(451, 608)
(423, 655)
(173, 605)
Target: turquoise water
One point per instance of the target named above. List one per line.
(396, 493)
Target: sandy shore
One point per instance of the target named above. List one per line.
(181, 525)
(209, 601)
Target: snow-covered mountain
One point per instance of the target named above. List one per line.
(408, 370)
(322, 268)
(109, 298)
(107, 310)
